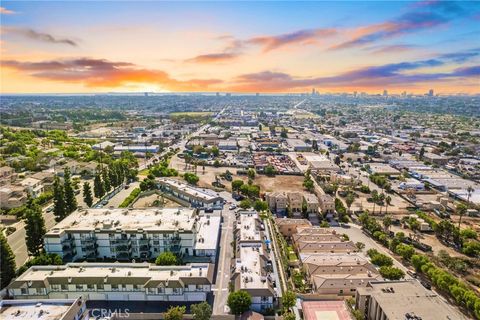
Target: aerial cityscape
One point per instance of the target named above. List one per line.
(240, 160)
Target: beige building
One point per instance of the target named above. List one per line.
(289, 227)
(277, 202)
(339, 274)
(321, 240)
(396, 299)
(312, 203)
(33, 186)
(115, 281)
(7, 175)
(295, 202)
(12, 196)
(327, 203)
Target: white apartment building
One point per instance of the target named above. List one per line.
(115, 282)
(252, 266)
(126, 234)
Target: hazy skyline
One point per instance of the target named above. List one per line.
(55, 47)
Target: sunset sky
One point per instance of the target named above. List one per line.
(80, 47)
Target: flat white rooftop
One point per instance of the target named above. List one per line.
(201, 193)
(247, 225)
(207, 236)
(108, 220)
(250, 267)
(34, 309)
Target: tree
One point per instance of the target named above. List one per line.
(245, 204)
(59, 209)
(288, 316)
(418, 261)
(251, 173)
(34, 228)
(166, 258)
(201, 311)
(7, 262)
(405, 250)
(387, 222)
(260, 205)
(215, 151)
(70, 200)
(270, 170)
(461, 210)
(191, 177)
(239, 302)
(106, 181)
(360, 246)
(289, 299)
(236, 184)
(388, 201)
(98, 188)
(422, 152)
(87, 194)
(337, 160)
(349, 200)
(391, 273)
(381, 260)
(175, 313)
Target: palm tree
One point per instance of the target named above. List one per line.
(461, 210)
(374, 199)
(387, 222)
(388, 201)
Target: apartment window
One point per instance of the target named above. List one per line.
(23, 291)
(55, 287)
(79, 287)
(39, 290)
(123, 287)
(136, 287)
(114, 287)
(177, 291)
(64, 287)
(90, 287)
(152, 290)
(100, 287)
(161, 290)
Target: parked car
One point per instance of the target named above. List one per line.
(232, 207)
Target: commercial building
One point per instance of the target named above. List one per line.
(403, 300)
(115, 282)
(435, 158)
(136, 148)
(197, 197)
(252, 267)
(338, 274)
(412, 184)
(126, 234)
(230, 145)
(43, 309)
(299, 145)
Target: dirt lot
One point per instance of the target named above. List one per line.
(267, 184)
(146, 202)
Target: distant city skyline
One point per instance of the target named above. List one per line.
(240, 47)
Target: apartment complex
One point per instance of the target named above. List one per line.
(252, 267)
(312, 203)
(33, 186)
(125, 234)
(115, 282)
(403, 300)
(12, 196)
(197, 197)
(295, 202)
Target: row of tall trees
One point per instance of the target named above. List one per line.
(109, 178)
(64, 201)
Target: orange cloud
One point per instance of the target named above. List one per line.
(104, 73)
